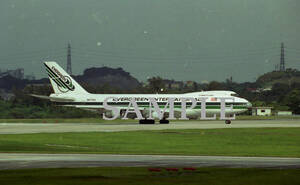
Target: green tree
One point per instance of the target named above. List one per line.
(214, 85)
(156, 84)
(279, 91)
(293, 101)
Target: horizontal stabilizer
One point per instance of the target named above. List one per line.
(55, 99)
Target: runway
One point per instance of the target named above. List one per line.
(22, 128)
(20, 161)
(23, 161)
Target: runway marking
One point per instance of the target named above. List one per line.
(22, 128)
(19, 160)
(67, 146)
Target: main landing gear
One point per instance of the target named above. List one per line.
(227, 121)
(164, 121)
(152, 121)
(147, 121)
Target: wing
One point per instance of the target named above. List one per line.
(55, 99)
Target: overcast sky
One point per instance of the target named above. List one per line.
(182, 40)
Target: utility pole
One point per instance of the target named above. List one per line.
(282, 62)
(69, 62)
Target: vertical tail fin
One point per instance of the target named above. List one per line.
(61, 81)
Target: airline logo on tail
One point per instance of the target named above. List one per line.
(64, 83)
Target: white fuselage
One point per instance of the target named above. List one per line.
(95, 101)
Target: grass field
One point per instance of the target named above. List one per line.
(229, 142)
(99, 120)
(107, 176)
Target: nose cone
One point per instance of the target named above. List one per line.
(249, 105)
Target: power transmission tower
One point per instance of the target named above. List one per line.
(69, 62)
(282, 63)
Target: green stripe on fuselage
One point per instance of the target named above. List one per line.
(197, 107)
(143, 105)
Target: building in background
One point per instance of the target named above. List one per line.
(17, 73)
(261, 111)
(6, 96)
(284, 113)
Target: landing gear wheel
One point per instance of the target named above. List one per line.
(227, 121)
(147, 121)
(164, 121)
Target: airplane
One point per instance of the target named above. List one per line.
(67, 92)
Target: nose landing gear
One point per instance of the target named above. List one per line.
(152, 121)
(227, 121)
(147, 121)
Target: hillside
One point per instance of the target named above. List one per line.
(288, 77)
(108, 76)
(93, 76)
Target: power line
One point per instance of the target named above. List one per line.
(174, 62)
(149, 50)
(207, 57)
(106, 52)
(128, 58)
(28, 55)
(114, 54)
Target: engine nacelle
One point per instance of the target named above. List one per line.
(155, 115)
(109, 114)
(193, 114)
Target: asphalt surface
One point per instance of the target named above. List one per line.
(23, 161)
(20, 128)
